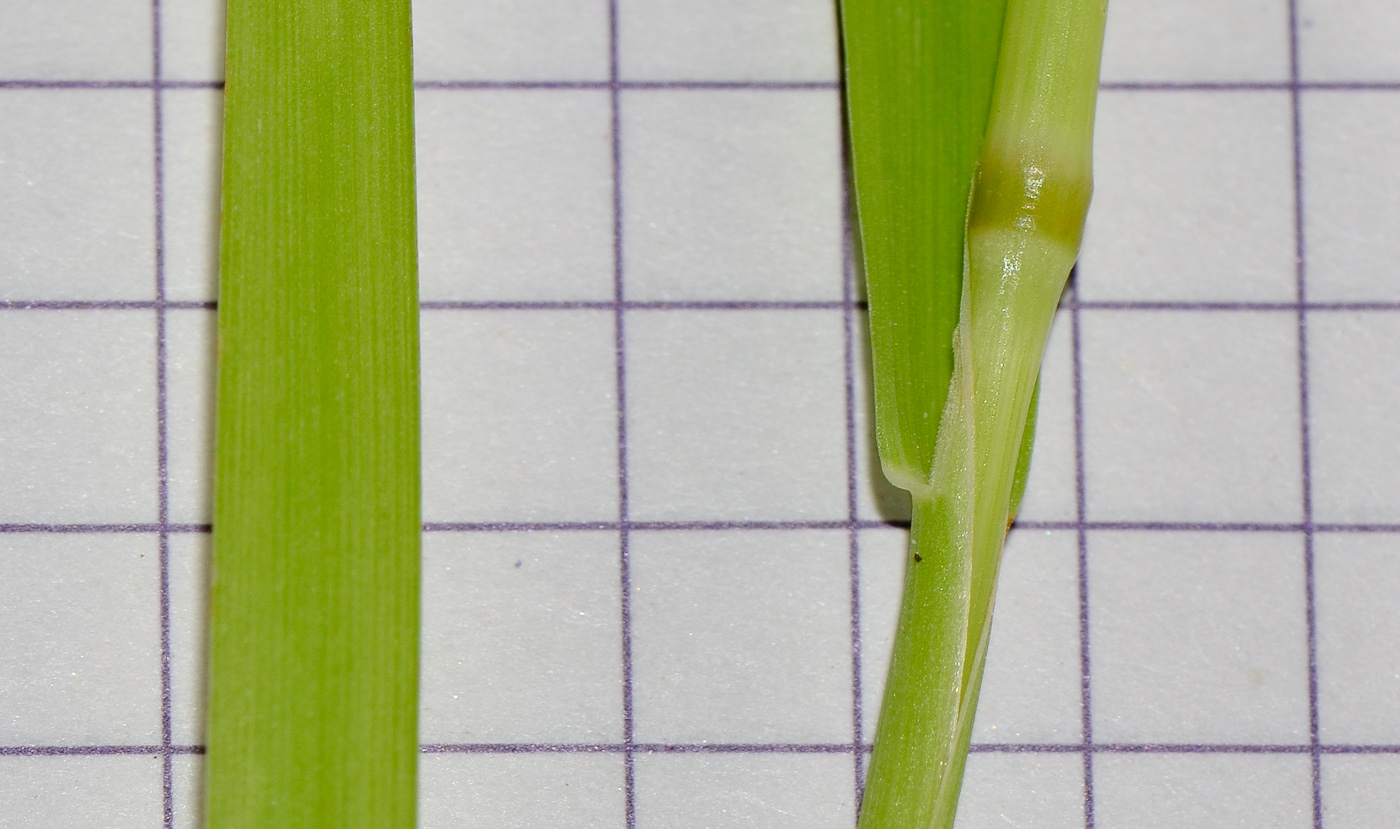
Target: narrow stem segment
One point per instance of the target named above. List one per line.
(314, 630)
(1024, 223)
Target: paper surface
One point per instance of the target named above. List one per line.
(660, 572)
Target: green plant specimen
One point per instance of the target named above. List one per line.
(315, 595)
(971, 127)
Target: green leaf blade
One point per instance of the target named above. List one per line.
(919, 77)
(314, 627)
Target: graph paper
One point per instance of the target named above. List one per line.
(660, 568)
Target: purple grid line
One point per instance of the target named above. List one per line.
(848, 346)
(717, 526)
(744, 748)
(85, 529)
(1182, 748)
(1082, 541)
(863, 524)
(21, 83)
(165, 749)
(623, 506)
(614, 84)
(489, 84)
(632, 85)
(1304, 436)
(639, 305)
(613, 306)
(162, 422)
(157, 84)
(1250, 86)
(100, 305)
(1290, 307)
(754, 748)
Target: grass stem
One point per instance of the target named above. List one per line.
(1028, 201)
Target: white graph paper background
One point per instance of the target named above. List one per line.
(660, 572)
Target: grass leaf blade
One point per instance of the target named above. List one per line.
(314, 629)
(919, 79)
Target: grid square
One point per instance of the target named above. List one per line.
(727, 40)
(1051, 490)
(1202, 791)
(730, 194)
(189, 388)
(1193, 198)
(1196, 41)
(515, 191)
(511, 40)
(1045, 791)
(187, 791)
(1353, 374)
(741, 636)
(113, 792)
(78, 430)
(78, 217)
(740, 791)
(520, 791)
(1358, 675)
(1031, 689)
(76, 40)
(80, 656)
(192, 124)
(736, 415)
(1193, 417)
(520, 638)
(189, 631)
(1358, 792)
(192, 40)
(882, 555)
(1348, 40)
(519, 416)
(1198, 637)
(1352, 194)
